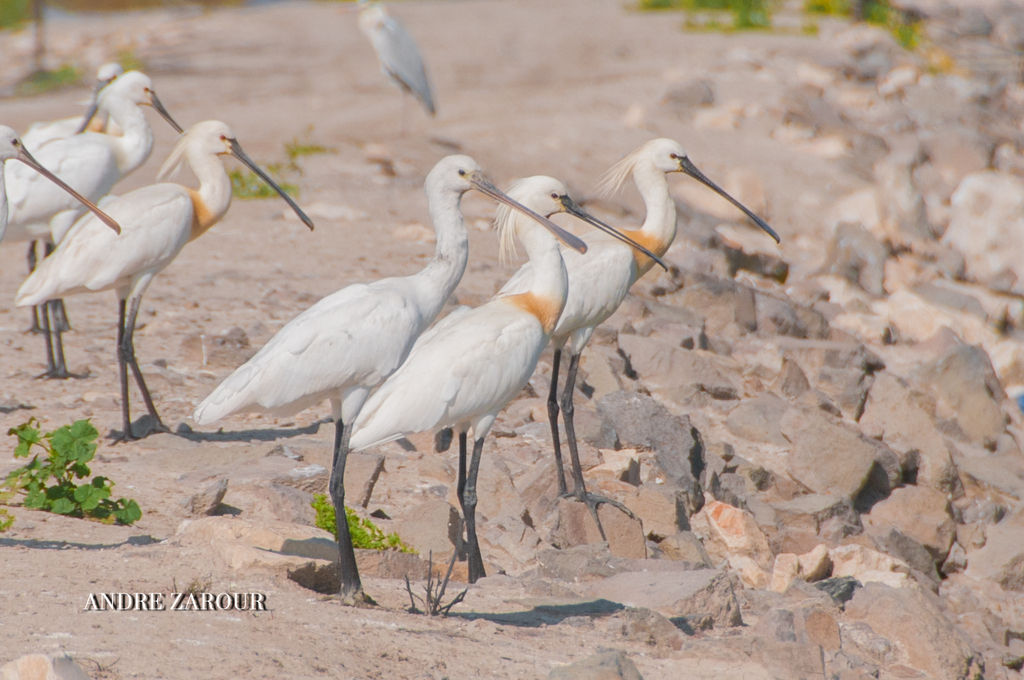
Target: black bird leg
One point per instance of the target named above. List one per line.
(351, 591)
(476, 561)
(553, 418)
(579, 490)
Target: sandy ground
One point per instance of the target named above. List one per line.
(524, 87)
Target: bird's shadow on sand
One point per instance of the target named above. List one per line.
(544, 615)
(65, 545)
(268, 435)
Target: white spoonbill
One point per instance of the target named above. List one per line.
(157, 222)
(12, 148)
(467, 370)
(41, 133)
(396, 50)
(92, 163)
(349, 342)
(598, 283)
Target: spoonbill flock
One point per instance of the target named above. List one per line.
(369, 348)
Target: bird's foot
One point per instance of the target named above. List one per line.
(121, 437)
(355, 598)
(594, 501)
(140, 429)
(62, 374)
(35, 329)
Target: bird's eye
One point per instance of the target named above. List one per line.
(223, 138)
(554, 195)
(462, 173)
(673, 156)
(16, 143)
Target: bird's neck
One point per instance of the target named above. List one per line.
(441, 276)
(135, 143)
(550, 285)
(659, 226)
(213, 197)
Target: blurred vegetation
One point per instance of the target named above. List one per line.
(41, 82)
(128, 60)
(249, 185)
(14, 13)
(905, 29)
(746, 14)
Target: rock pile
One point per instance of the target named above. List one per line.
(821, 450)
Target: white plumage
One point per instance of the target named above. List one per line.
(11, 148)
(599, 281)
(91, 163)
(157, 221)
(349, 342)
(42, 133)
(397, 52)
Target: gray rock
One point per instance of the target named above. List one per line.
(677, 372)
(778, 315)
(831, 517)
(903, 547)
(759, 419)
(685, 546)
(827, 457)
(843, 371)
(600, 666)
(1009, 30)
(921, 513)
(973, 23)
(855, 254)
(964, 379)
(809, 623)
(792, 382)
(433, 526)
(914, 620)
(1012, 576)
(206, 501)
(642, 422)
(840, 589)
(264, 500)
(729, 309)
(675, 593)
(594, 561)
(648, 628)
(690, 94)
(895, 414)
(729, 488)
(576, 526)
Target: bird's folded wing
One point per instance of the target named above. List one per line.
(358, 335)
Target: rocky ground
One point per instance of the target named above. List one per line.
(820, 439)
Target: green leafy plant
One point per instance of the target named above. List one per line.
(249, 185)
(42, 82)
(365, 534)
(48, 481)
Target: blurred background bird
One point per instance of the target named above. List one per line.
(399, 57)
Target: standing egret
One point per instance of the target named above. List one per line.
(12, 148)
(468, 369)
(157, 222)
(41, 133)
(598, 283)
(91, 163)
(396, 50)
(351, 341)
